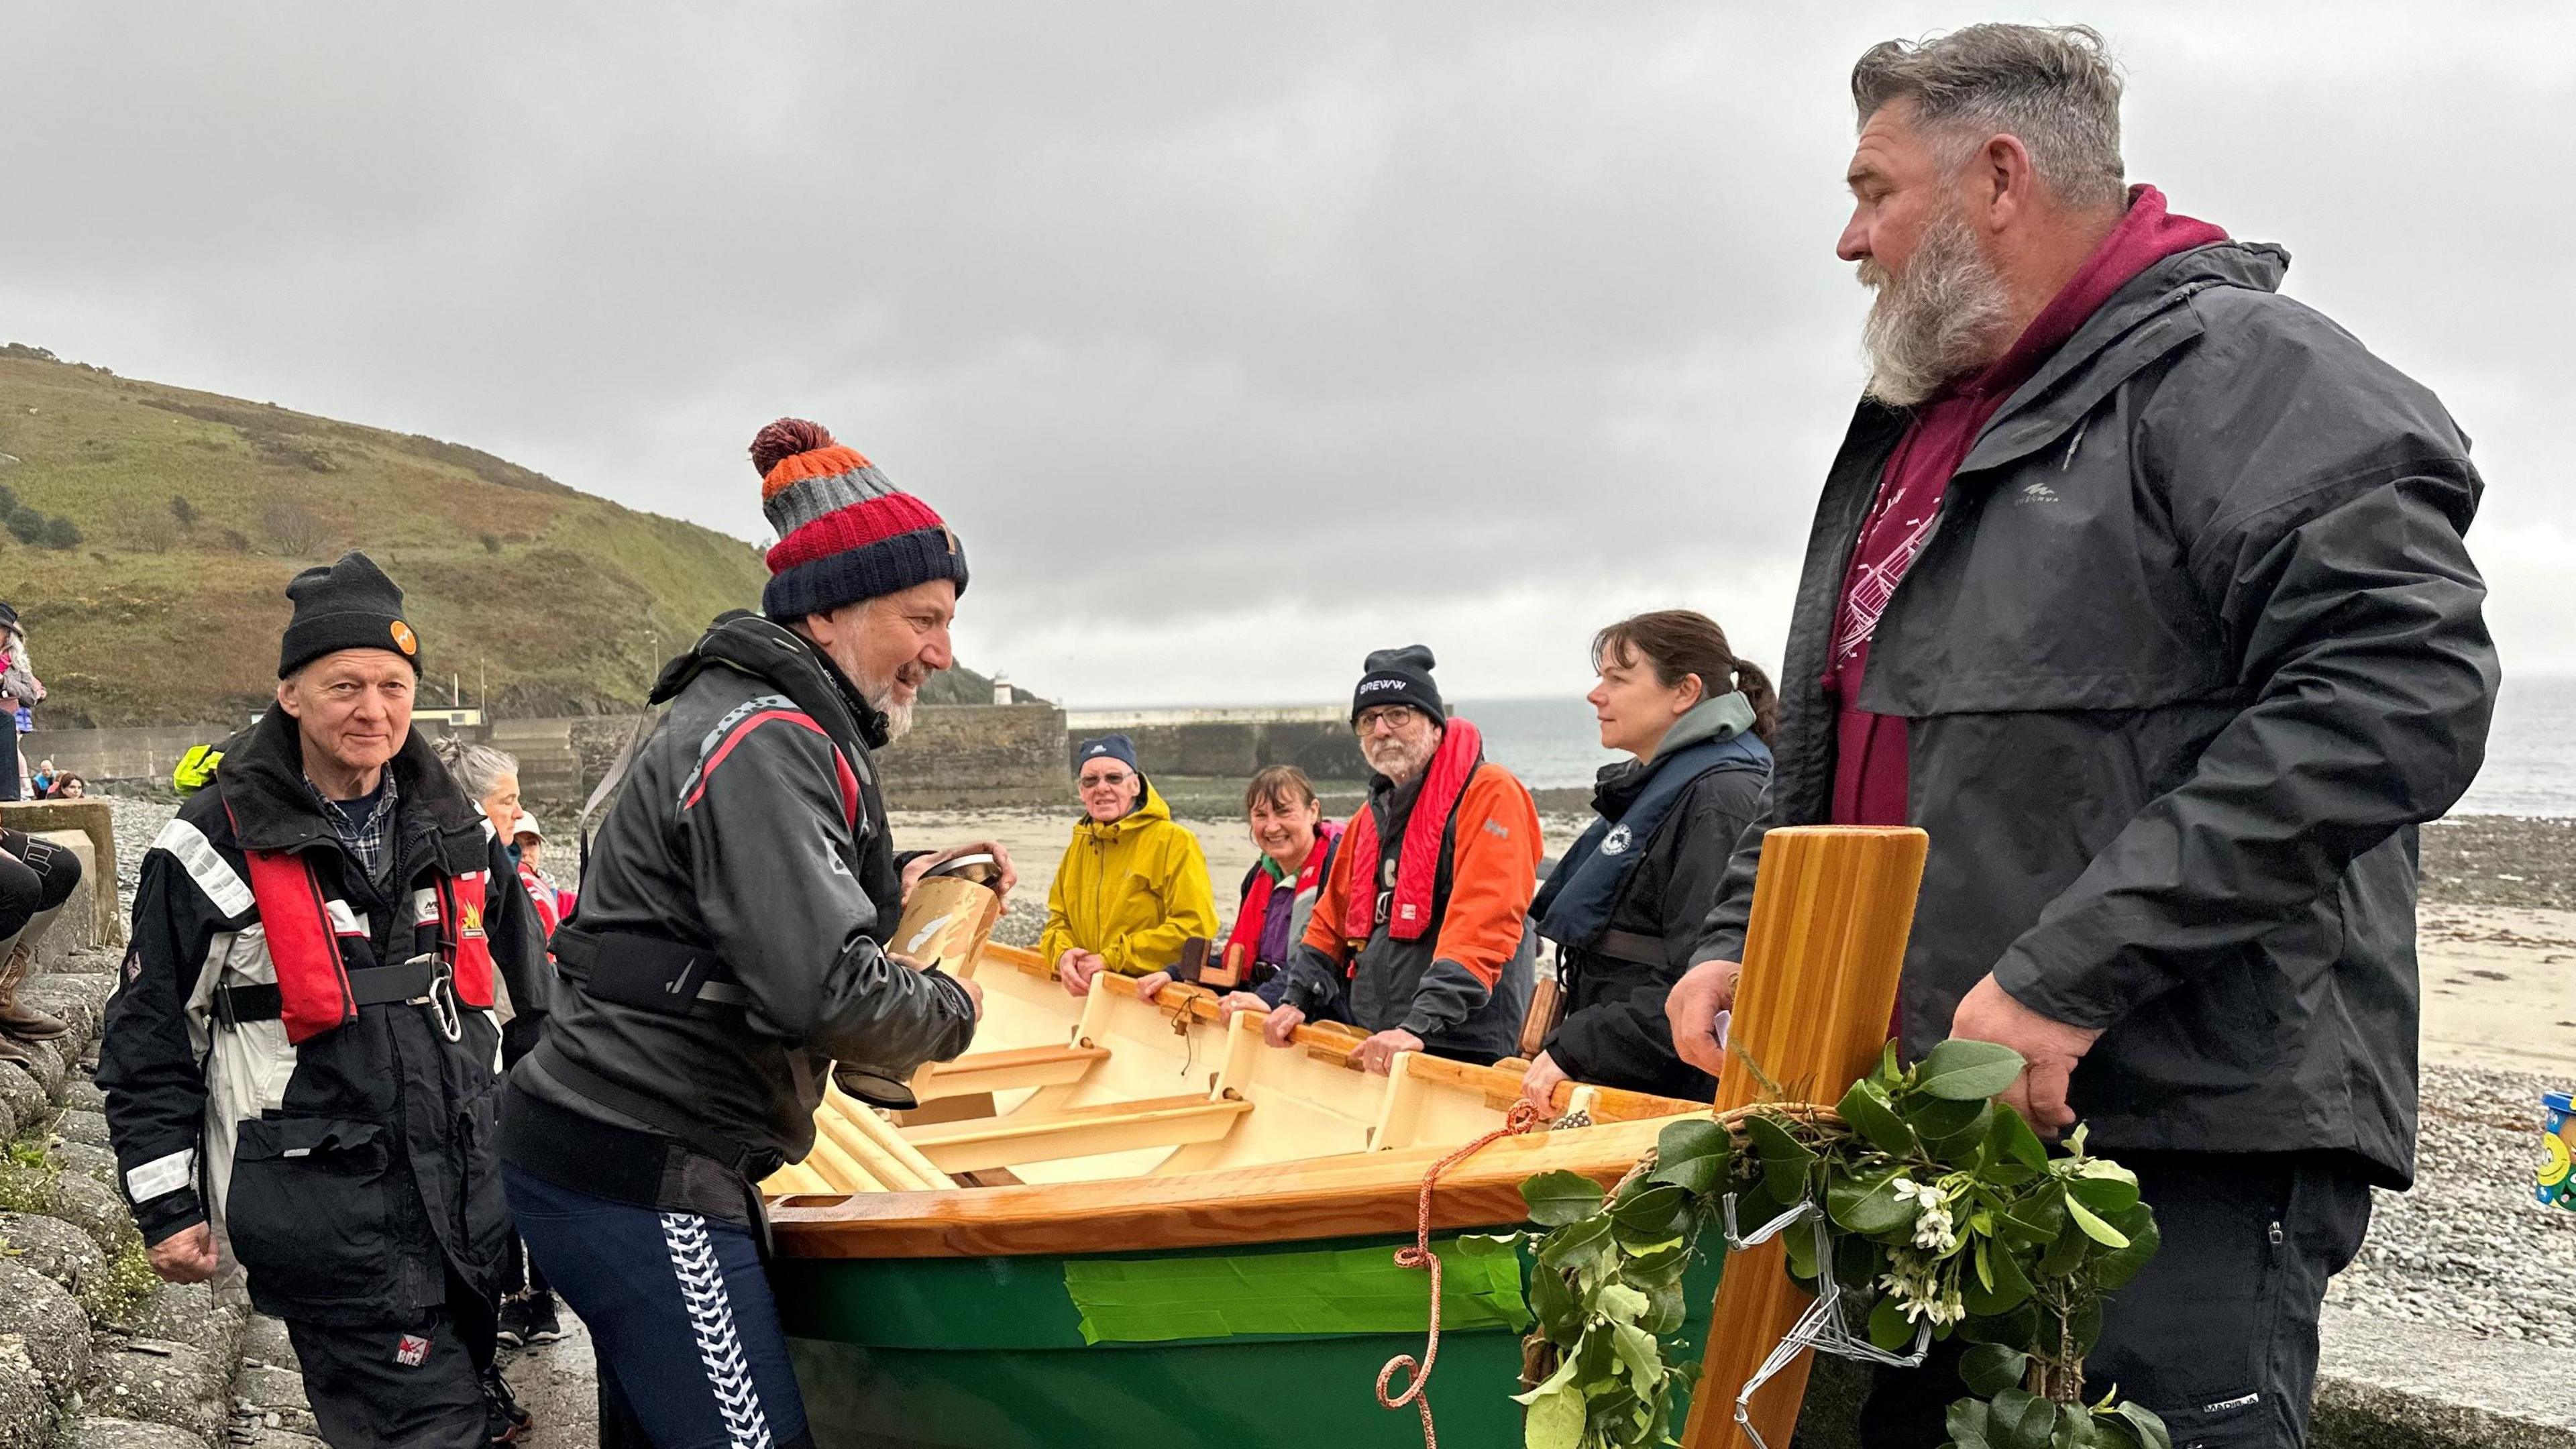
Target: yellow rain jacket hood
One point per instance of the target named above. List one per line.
(1132, 890)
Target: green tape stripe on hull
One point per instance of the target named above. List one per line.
(935, 1353)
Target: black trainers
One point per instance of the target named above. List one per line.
(503, 1420)
(513, 1332)
(540, 1325)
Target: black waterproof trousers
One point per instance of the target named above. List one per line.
(401, 1385)
(2218, 1333)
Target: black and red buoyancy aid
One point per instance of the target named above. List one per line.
(310, 936)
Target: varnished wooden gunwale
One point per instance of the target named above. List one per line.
(1349, 1195)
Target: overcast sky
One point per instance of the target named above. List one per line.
(1234, 339)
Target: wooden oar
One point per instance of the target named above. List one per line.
(1831, 911)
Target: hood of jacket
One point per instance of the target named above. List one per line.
(747, 643)
(1150, 811)
(1720, 718)
(1132, 890)
(2146, 318)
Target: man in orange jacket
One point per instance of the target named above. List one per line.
(1421, 935)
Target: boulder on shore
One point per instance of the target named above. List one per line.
(129, 1434)
(26, 1411)
(161, 1382)
(48, 1322)
(52, 1247)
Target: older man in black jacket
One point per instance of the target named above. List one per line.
(299, 1066)
(2141, 588)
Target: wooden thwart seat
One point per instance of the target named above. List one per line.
(1006, 1070)
(1078, 1131)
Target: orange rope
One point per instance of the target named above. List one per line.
(1523, 1117)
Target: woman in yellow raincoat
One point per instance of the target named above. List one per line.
(1133, 885)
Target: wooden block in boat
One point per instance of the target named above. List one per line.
(972, 1106)
(1078, 1132)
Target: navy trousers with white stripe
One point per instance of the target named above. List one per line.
(680, 1316)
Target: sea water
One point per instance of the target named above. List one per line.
(2530, 765)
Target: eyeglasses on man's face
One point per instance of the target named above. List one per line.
(1112, 779)
(1388, 716)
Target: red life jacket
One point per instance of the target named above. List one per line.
(550, 909)
(304, 942)
(1417, 863)
(1243, 943)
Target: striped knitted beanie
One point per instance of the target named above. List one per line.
(844, 532)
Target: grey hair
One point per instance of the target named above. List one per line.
(2054, 87)
(477, 768)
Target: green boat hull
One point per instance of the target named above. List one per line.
(992, 1353)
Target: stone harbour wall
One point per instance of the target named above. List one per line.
(1235, 749)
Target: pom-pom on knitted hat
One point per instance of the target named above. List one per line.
(844, 532)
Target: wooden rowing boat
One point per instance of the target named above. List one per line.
(1123, 1222)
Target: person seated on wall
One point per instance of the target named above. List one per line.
(1420, 936)
(1624, 906)
(1297, 845)
(1133, 884)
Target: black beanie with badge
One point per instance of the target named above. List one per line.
(1399, 676)
(349, 605)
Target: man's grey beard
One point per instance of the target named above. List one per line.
(1940, 320)
(880, 695)
(1406, 764)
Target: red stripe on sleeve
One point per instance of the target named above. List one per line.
(707, 771)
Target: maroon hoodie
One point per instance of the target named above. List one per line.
(1869, 755)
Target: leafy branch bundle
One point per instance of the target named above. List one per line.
(1943, 1210)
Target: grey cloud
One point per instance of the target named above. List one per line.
(1225, 334)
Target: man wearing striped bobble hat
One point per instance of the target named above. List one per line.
(730, 948)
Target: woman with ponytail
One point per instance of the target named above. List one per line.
(1625, 904)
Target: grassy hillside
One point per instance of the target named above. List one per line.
(168, 612)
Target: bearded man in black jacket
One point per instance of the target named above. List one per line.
(730, 948)
(2141, 588)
